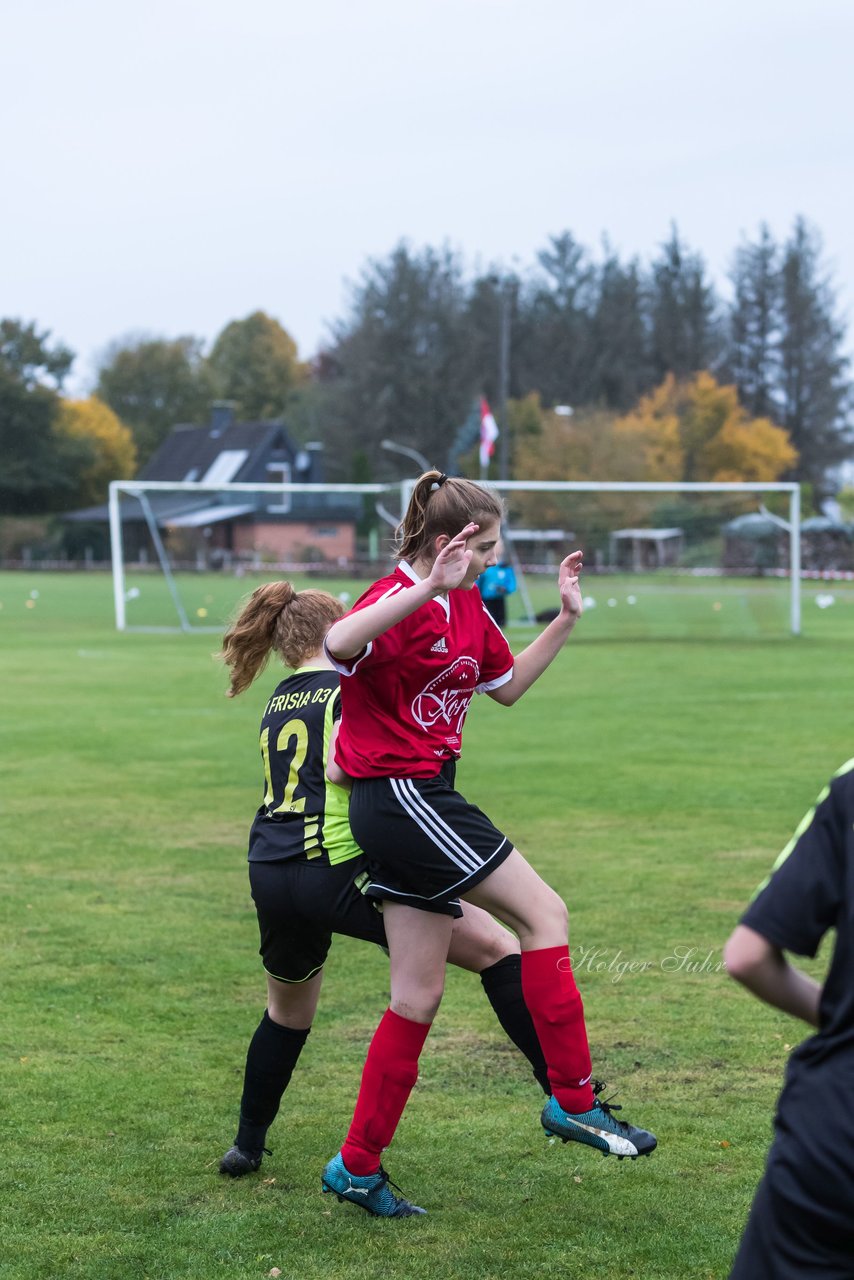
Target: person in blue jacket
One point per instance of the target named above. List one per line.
(496, 583)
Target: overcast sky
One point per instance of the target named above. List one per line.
(172, 166)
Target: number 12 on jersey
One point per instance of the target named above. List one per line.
(294, 732)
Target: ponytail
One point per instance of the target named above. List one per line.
(276, 619)
(443, 504)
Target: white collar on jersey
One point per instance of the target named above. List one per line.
(443, 601)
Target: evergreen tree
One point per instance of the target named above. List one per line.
(398, 367)
(619, 369)
(553, 345)
(814, 388)
(752, 360)
(685, 334)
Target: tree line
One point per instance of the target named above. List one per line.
(419, 342)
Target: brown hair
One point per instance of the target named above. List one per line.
(443, 504)
(276, 619)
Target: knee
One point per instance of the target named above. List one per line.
(421, 1005)
(499, 945)
(554, 913)
(548, 921)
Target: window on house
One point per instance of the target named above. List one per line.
(225, 466)
(279, 472)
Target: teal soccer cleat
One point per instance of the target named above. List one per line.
(371, 1193)
(598, 1128)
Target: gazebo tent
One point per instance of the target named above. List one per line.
(755, 542)
(640, 549)
(826, 545)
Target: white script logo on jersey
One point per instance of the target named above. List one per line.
(446, 698)
(441, 646)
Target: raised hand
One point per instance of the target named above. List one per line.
(568, 581)
(452, 562)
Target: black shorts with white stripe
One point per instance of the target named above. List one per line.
(424, 842)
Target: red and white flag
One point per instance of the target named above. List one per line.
(488, 434)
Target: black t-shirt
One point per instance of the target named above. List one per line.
(302, 815)
(811, 890)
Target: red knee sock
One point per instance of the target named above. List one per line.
(558, 1015)
(390, 1072)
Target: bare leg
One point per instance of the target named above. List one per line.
(418, 943)
(523, 901)
(294, 1004)
(478, 941)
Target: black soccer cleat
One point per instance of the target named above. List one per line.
(237, 1163)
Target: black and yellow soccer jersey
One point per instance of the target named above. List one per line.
(302, 815)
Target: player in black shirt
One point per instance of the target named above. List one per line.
(801, 1224)
(305, 868)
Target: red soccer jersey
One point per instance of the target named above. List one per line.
(404, 703)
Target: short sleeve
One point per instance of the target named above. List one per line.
(385, 648)
(800, 900)
(497, 665)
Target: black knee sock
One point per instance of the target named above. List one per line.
(502, 983)
(272, 1056)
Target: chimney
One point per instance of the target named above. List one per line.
(222, 416)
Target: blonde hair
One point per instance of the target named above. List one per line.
(443, 504)
(276, 619)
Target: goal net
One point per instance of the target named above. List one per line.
(660, 559)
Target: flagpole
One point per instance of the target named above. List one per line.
(504, 380)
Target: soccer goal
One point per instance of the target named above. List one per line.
(666, 559)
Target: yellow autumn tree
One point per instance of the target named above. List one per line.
(647, 441)
(697, 430)
(548, 445)
(692, 430)
(111, 446)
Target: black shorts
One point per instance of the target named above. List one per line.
(424, 842)
(301, 904)
(784, 1242)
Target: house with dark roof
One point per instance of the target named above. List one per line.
(222, 528)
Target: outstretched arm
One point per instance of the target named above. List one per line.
(532, 662)
(761, 967)
(349, 636)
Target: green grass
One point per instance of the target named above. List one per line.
(652, 780)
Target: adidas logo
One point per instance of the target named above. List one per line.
(440, 646)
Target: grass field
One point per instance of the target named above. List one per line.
(651, 776)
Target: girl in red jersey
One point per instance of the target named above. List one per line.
(414, 650)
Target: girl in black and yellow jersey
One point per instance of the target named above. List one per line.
(305, 869)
